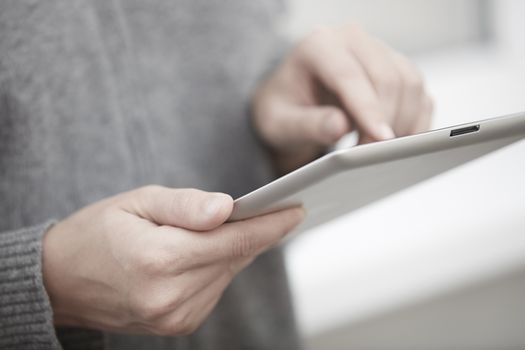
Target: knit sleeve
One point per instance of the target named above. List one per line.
(26, 320)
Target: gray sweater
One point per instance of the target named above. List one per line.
(98, 97)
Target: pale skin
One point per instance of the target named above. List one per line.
(153, 260)
(156, 260)
(334, 81)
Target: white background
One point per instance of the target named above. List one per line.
(459, 229)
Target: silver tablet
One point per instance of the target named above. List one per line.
(347, 179)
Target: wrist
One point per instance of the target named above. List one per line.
(51, 272)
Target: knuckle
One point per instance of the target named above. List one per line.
(154, 304)
(343, 76)
(150, 310)
(149, 189)
(315, 39)
(354, 28)
(146, 192)
(187, 328)
(412, 78)
(389, 81)
(319, 34)
(243, 245)
(181, 323)
(413, 82)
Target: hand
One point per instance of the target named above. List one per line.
(153, 260)
(334, 81)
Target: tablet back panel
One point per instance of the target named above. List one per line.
(349, 179)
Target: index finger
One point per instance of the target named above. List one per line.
(246, 238)
(253, 236)
(336, 68)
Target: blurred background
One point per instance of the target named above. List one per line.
(440, 265)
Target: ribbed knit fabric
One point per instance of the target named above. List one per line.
(25, 320)
(99, 97)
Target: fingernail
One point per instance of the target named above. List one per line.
(332, 126)
(386, 132)
(214, 205)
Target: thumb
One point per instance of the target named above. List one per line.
(320, 125)
(186, 208)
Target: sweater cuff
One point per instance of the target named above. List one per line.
(26, 317)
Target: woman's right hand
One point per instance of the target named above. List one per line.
(153, 260)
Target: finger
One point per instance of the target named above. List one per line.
(236, 240)
(186, 208)
(251, 237)
(424, 122)
(299, 125)
(231, 241)
(360, 100)
(410, 109)
(376, 60)
(340, 72)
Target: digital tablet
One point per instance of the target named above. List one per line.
(347, 179)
